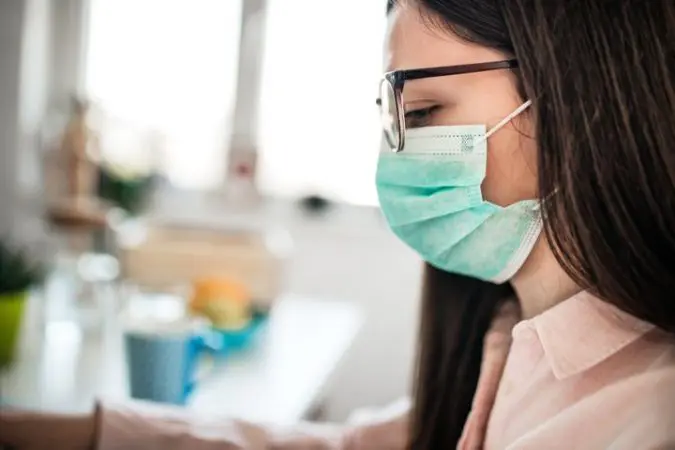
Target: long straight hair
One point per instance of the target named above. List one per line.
(601, 76)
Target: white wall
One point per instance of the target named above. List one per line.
(34, 66)
(11, 34)
(69, 25)
(41, 53)
(34, 94)
(352, 256)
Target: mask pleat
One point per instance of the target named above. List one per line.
(430, 194)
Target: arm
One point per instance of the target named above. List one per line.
(30, 431)
(137, 425)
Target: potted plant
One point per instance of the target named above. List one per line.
(125, 187)
(18, 275)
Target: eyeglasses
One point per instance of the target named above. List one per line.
(391, 89)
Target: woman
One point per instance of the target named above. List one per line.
(574, 105)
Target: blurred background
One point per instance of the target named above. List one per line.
(156, 146)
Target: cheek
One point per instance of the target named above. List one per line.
(511, 168)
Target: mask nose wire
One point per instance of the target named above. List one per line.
(506, 120)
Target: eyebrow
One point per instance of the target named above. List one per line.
(427, 87)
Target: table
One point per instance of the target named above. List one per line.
(278, 380)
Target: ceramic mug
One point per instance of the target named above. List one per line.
(163, 358)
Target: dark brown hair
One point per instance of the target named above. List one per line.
(601, 75)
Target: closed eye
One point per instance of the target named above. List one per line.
(420, 117)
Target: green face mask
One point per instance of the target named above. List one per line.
(430, 194)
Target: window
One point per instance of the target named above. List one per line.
(170, 66)
(319, 126)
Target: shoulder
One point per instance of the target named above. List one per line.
(650, 419)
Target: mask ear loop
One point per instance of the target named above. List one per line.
(501, 125)
(547, 198)
(506, 120)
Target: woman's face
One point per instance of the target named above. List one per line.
(475, 98)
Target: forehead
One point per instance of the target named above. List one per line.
(415, 42)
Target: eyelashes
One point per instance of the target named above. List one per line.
(420, 117)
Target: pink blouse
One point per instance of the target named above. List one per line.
(582, 375)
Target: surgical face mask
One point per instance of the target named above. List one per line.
(430, 194)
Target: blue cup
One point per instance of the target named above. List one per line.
(162, 360)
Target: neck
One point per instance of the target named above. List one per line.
(541, 283)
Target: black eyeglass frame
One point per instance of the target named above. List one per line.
(397, 79)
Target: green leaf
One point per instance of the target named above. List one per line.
(18, 271)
